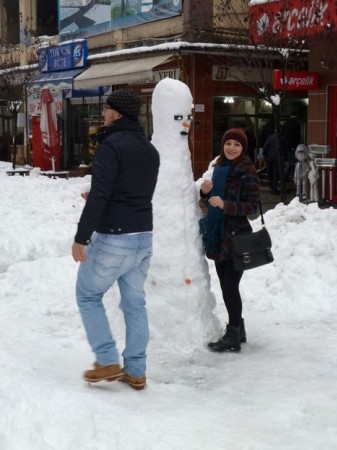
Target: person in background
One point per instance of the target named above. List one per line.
(231, 195)
(291, 130)
(267, 130)
(270, 154)
(113, 242)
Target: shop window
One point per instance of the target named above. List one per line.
(229, 112)
(87, 121)
(254, 115)
(47, 18)
(289, 108)
(11, 25)
(146, 116)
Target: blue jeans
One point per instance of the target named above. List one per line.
(123, 258)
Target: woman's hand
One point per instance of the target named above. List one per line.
(206, 187)
(216, 202)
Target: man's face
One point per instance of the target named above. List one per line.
(110, 115)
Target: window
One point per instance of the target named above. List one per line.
(253, 114)
(230, 112)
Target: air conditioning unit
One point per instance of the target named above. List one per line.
(326, 162)
(316, 149)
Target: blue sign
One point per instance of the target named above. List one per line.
(63, 57)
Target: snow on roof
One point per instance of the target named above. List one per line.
(169, 46)
(261, 2)
(18, 69)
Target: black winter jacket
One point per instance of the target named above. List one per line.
(124, 176)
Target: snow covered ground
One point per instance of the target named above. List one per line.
(278, 393)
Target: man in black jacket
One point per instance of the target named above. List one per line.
(114, 240)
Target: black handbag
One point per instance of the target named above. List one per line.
(253, 249)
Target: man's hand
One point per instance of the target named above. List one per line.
(78, 252)
(85, 195)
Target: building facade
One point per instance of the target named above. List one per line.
(316, 22)
(135, 44)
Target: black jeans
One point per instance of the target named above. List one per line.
(229, 282)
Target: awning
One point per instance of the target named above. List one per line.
(119, 72)
(53, 80)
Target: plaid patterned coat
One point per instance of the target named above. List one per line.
(241, 199)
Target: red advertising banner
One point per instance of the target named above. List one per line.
(294, 81)
(290, 18)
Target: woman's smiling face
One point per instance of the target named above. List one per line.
(232, 149)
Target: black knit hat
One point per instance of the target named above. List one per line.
(125, 101)
(237, 135)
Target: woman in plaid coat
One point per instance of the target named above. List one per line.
(231, 196)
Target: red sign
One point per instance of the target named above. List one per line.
(295, 81)
(290, 18)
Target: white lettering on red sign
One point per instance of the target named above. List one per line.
(298, 18)
(296, 80)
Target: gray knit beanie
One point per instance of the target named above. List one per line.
(125, 101)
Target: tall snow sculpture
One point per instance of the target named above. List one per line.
(179, 280)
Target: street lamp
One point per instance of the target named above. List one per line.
(14, 107)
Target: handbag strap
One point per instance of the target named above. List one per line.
(261, 213)
(260, 205)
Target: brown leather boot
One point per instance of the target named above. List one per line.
(103, 373)
(137, 383)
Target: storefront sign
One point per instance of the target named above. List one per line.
(294, 81)
(295, 18)
(159, 75)
(34, 102)
(63, 57)
(167, 73)
(199, 107)
(225, 73)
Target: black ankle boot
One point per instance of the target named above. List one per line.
(230, 341)
(243, 336)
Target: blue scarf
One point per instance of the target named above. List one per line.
(212, 227)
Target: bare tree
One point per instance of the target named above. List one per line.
(13, 93)
(14, 78)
